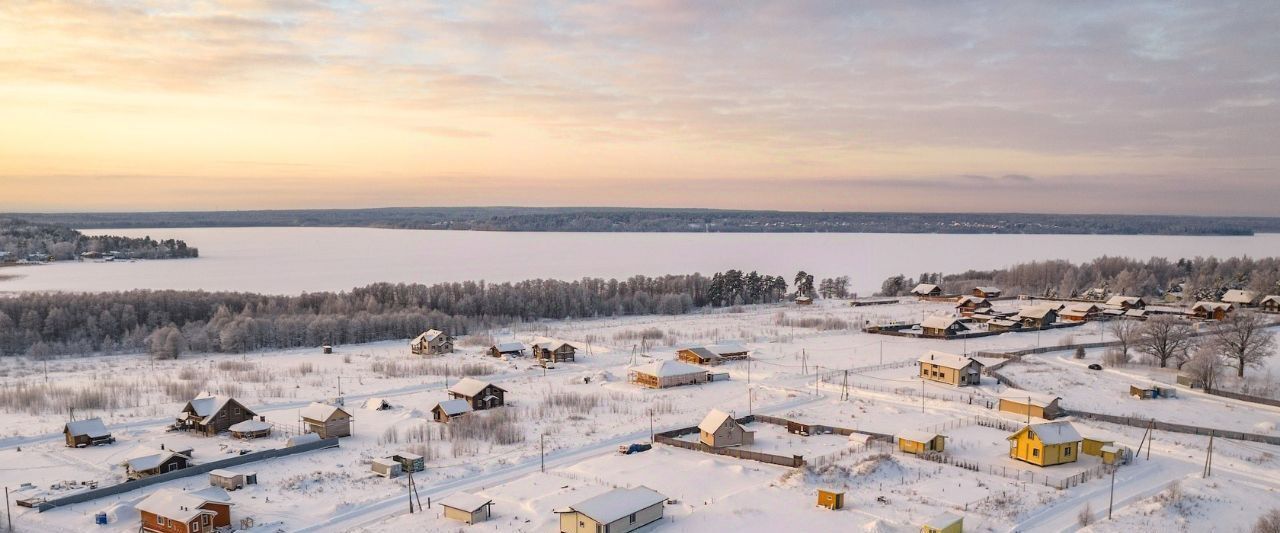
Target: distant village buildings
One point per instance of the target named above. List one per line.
(431, 342)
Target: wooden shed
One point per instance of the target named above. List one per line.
(554, 351)
(410, 462)
(944, 523)
(327, 421)
(698, 355)
(1046, 443)
(719, 430)
(1034, 404)
(919, 442)
(467, 508)
(942, 326)
(386, 467)
(1093, 447)
(830, 499)
(87, 432)
(669, 373)
(949, 368)
(507, 349)
(447, 410)
(1112, 454)
(231, 480)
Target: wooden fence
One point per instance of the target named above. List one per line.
(1175, 428)
(670, 438)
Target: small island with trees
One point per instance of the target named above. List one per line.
(35, 242)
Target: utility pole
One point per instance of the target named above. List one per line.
(7, 513)
(804, 361)
(1028, 410)
(750, 408)
(844, 388)
(1112, 501)
(748, 371)
(651, 421)
(542, 452)
(1208, 457)
(1152, 439)
(882, 352)
(817, 377)
(410, 491)
(922, 395)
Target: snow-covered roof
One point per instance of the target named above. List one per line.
(714, 420)
(1270, 298)
(465, 502)
(1082, 307)
(668, 368)
(181, 506)
(147, 459)
(1037, 399)
(1003, 322)
(701, 352)
(507, 347)
(376, 403)
(302, 439)
(916, 436)
(385, 461)
(924, 288)
(943, 520)
(320, 412)
(1036, 312)
(1124, 300)
(1211, 306)
(89, 427)
(617, 503)
(427, 336)
(222, 472)
(727, 348)
(1237, 296)
(454, 407)
(1060, 432)
(1136, 313)
(552, 345)
(470, 387)
(250, 425)
(206, 405)
(987, 289)
(947, 360)
(977, 301)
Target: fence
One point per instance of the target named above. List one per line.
(818, 429)
(1176, 428)
(670, 438)
(193, 470)
(1243, 397)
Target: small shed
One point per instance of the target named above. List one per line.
(1112, 454)
(507, 349)
(468, 508)
(250, 429)
(1270, 303)
(87, 432)
(804, 300)
(1093, 447)
(668, 373)
(1035, 404)
(944, 523)
(447, 410)
(231, 480)
(377, 404)
(326, 349)
(698, 356)
(918, 442)
(298, 440)
(729, 350)
(830, 499)
(386, 467)
(410, 462)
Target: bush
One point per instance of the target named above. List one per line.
(1115, 357)
(1080, 352)
(1268, 523)
(1086, 516)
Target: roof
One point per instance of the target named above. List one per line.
(1136, 312)
(552, 345)
(464, 501)
(1003, 322)
(1212, 306)
(1060, 432)
(987, 289)
(89, 427)
(505, 347)
(1270, 298)
(942, 322)
(181, 506)
(916, 436)
(924, 288)
(943, 520)
(250, 425)
(302, 439)
(375, 403)
(222, 472)
(1036, 398)
(1237, 296)
(427, 336)
(470, 387)
(320, 411)
(714, 420)
(727, 348)
(948, 360)
(206, 405)
(1123, 300)
(454, 407)
(701, 352)
(148, 459)
(1038, 312)
(977, 301)
(668, 368)
(1082, 307)
(385, 461)
(617, 503)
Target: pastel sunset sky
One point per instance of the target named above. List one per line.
(1129, 107)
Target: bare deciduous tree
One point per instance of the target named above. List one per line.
(1125, 332)
(1205, 366)
(1165, 338)
(1243, 339)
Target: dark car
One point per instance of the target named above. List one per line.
(1095, 366)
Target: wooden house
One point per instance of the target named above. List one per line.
(1093, 447)
(942, 326)
(1080, 312)
(327, 421)
(1046, 443)
(466, 508)
(144, 462)
(919, 442)
(986, 292)
(830, 499)
(1126, 302)
(1210, 310)
(171, 510)
(1270, 303)
(377, 404)
(944, 523)
(1241, 298)
(729, 350)
(231, 480)
(668, 373)
(431, 342)
(211, 415)
(1003, 324)
(87, 432)
(949, 368)
(554, 351)
(1034, 404)
(386, 467)
(480, 394)
(250, 429)
(719, 430)
(447, 410)
(507, 349)
(617, 511)
(698, 356)
(969, 305)
(410, 462)
(924, 290)
(1037, 317)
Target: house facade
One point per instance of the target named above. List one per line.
(1241, 298)
(698, 355)
(480, 395)
(949, 368)
(1046, 444)
(467, 508)
(554, 351)
(432, 342)
(210, 415)
(919, 442)
(1037, 317)
(942, 326)
(986, 292)
(447, 410)
(327, 421)
(616, 511)
(1210, 310)
(174, 511)
(87, 432)
(719, 430)
(1030, 404)
(927, 290)
(669, 373)
(1270, 303)
(508, 349)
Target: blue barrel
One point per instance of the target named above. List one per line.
(100, 519)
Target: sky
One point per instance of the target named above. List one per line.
(1065, 107)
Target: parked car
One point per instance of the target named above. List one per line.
(626, 449)
(1095, 366)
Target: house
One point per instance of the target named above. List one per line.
(508, 349)
(1037, 317)
(944, 523)
(554, 351)
(250, 429)
(830, 499)
(145, 462)
(616, 511)
(719, 430)
(480, 394)
(986, 292)
(1136, 314)
(1210, 310)
(919, 442)
(1046, 443)
(467, 508)
(171, 510)
(377, 404)
(968, 305)
(1096, 293)
(410, 462)
(949, 368)
(327, 421)
(1003, 324)
(1241, 298)
(668, 373)
(1093, 447)
(1080, 312)
(432, 342)
(729, 350)
(1270, 303)
(1034, 404)
(698, 356)
(1113, 454)
(804, 300)
(447, 410)
(942, 326)
(386, 467)
(927, 289)
(1126, 302)
(211, 415)
(231, 480)
(87, 432)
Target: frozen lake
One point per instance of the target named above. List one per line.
(294, 260)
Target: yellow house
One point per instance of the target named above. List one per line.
(919, 442)
(944, 523)
(1046, 444)
(949, 368)
(1033, 404)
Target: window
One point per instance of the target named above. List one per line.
(1068, 451)
(1035, 452)
(195, 526)
(162, 521)
(632, 518)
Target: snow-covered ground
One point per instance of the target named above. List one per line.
(579, 413)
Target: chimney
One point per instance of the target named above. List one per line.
(162, 446)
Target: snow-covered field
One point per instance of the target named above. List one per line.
(578, 413)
